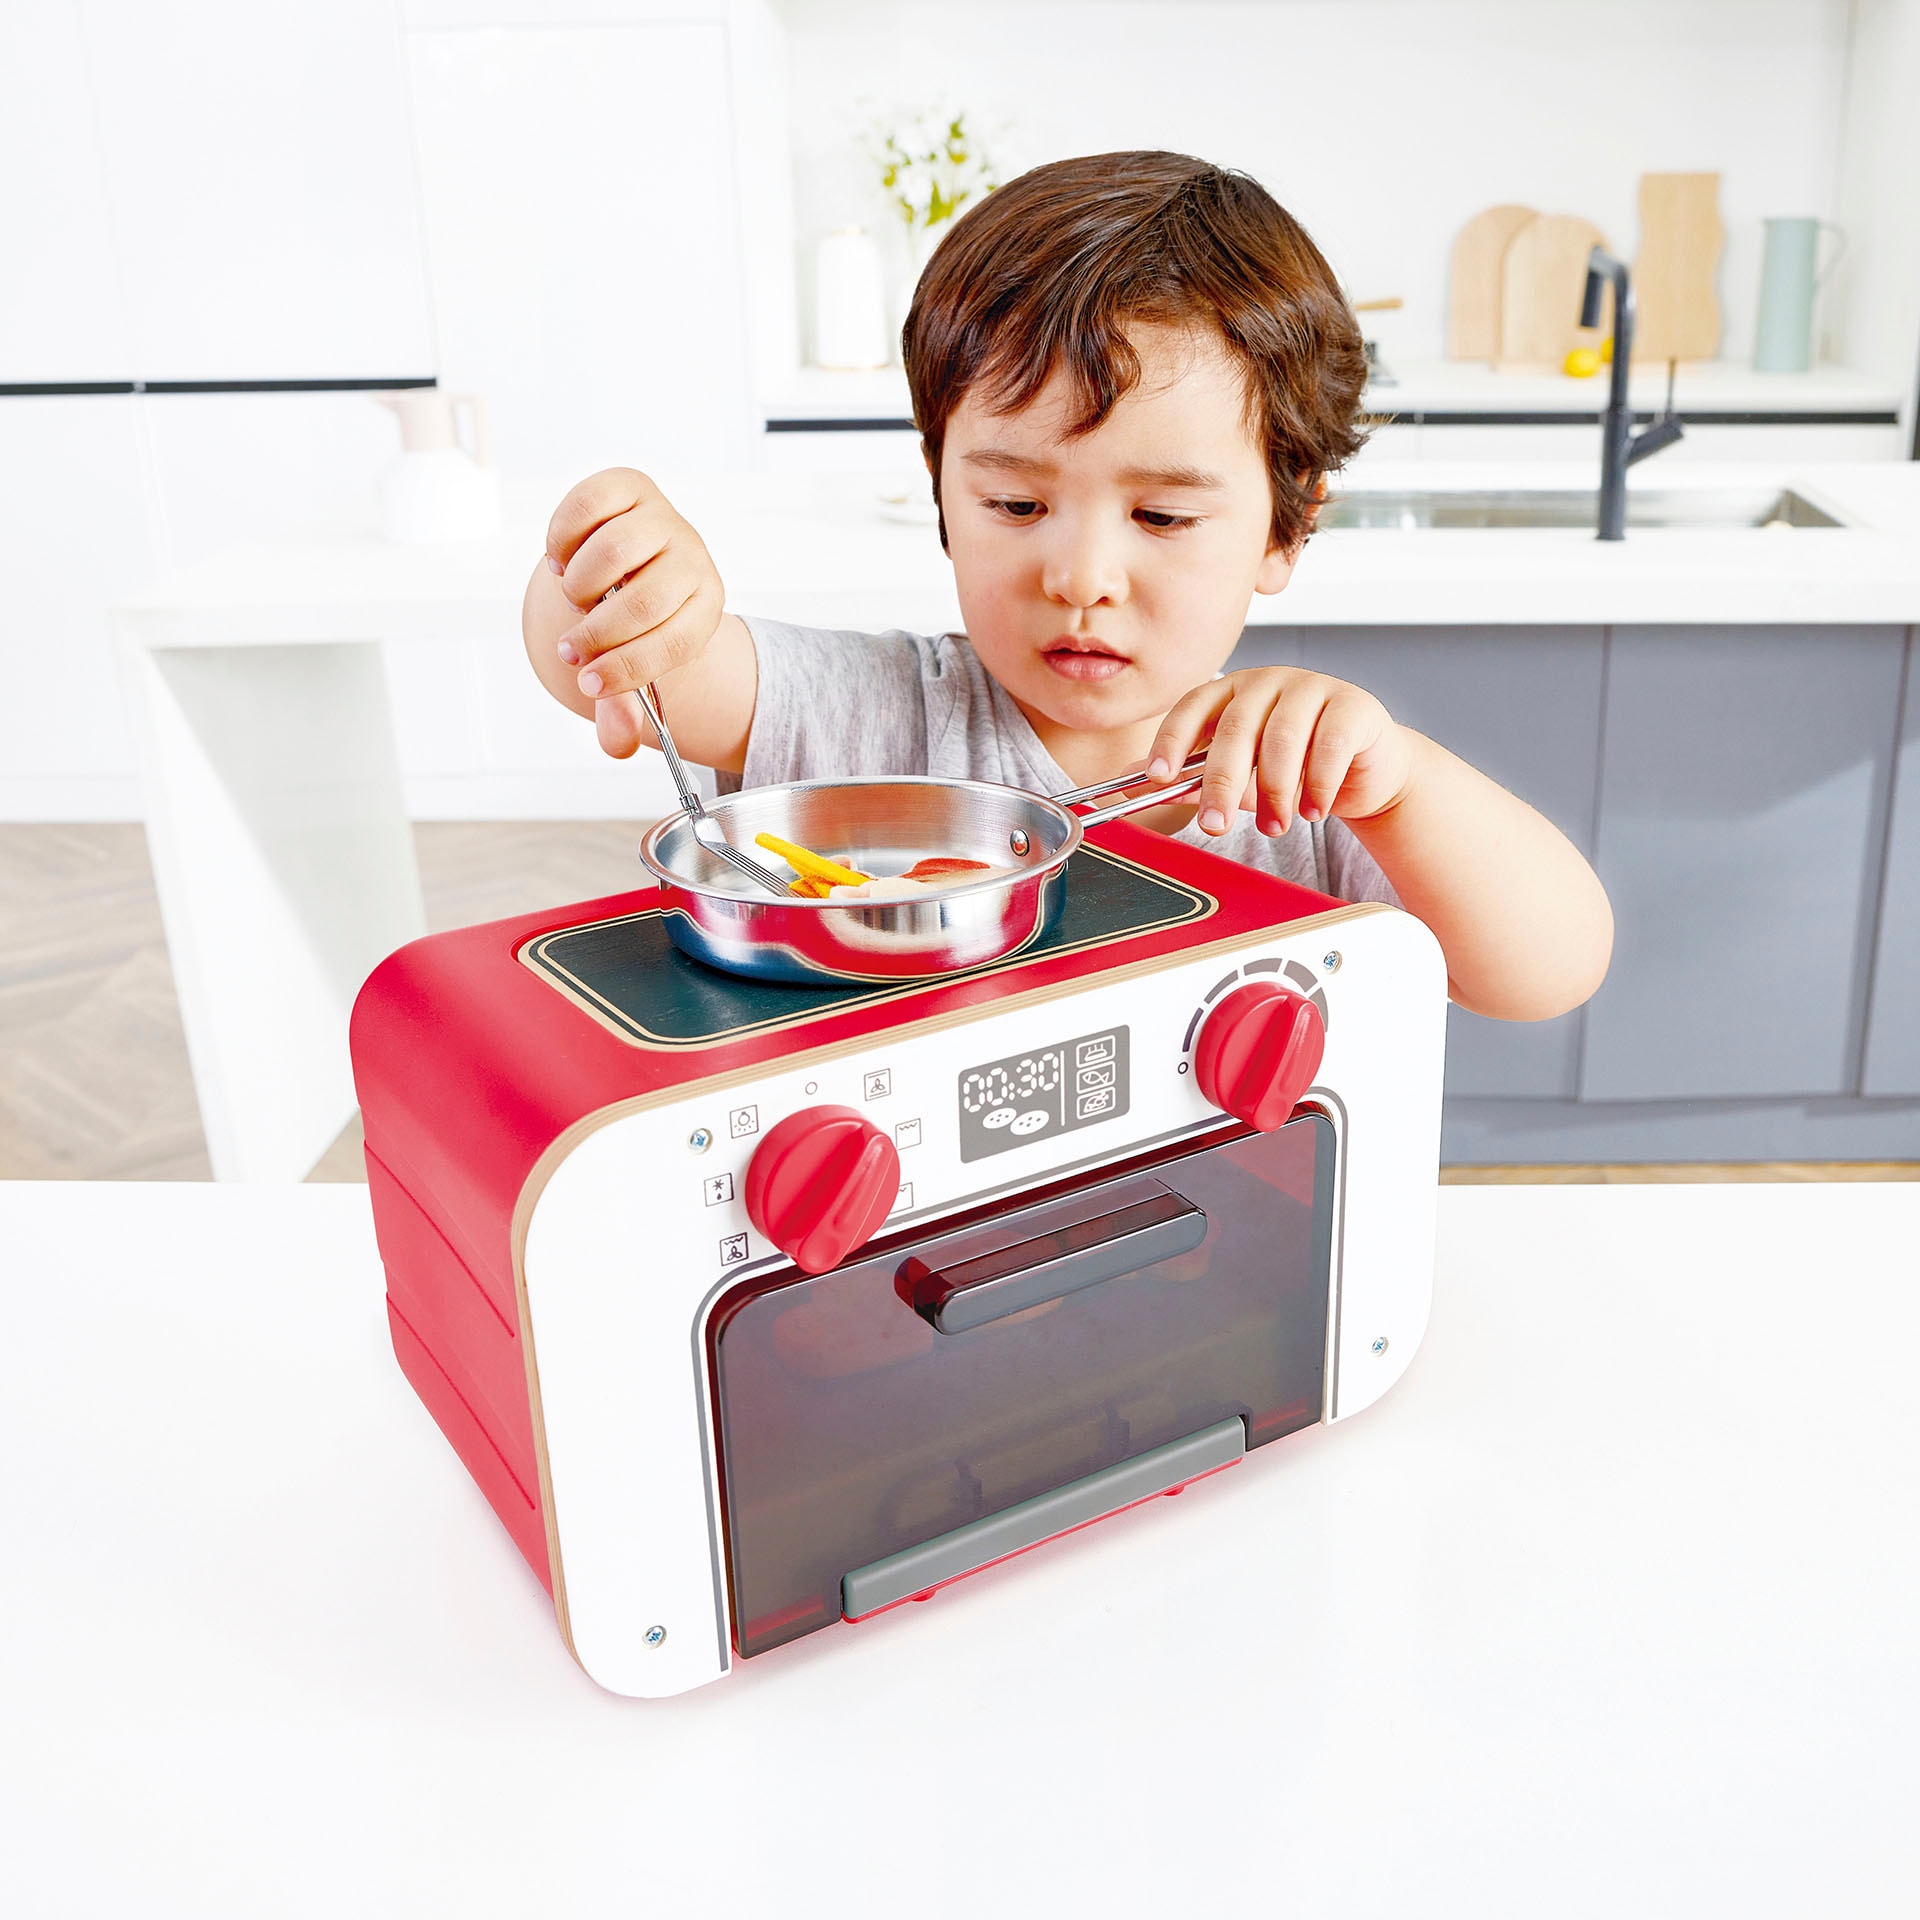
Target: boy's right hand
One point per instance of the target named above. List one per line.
(647, 591)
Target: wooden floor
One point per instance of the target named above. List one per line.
(94, 1082)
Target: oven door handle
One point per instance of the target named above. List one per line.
(1032, 1272)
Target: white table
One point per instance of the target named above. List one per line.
(1607, 1609)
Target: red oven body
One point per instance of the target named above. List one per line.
(604, 1185)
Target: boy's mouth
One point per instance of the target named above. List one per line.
(1081, 657)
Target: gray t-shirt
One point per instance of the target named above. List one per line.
(837, 704)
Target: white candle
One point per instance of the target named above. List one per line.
(850, 304)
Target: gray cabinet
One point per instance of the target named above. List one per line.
(1743, 801)
(1523, 705)
(1751, 798)
(1892, 1067)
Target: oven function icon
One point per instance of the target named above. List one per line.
(906, 1133)
(743, 1121)
(1031, 1121)
(733, 1249)
(903, 1201)
(879, 1085)
(1096, 1076)
(718, 1190)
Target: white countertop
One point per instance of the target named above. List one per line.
(1703, 386)
(1467, 386)
(816, 550)
(1608, 1608)
(822, 556)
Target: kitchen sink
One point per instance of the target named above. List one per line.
(1406, 508)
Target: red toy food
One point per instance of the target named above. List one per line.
(939, 869)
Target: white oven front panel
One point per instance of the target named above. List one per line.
(642, 1223)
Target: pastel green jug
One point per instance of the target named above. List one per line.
(1783, 339)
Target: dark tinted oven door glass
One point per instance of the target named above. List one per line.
(850, 1427)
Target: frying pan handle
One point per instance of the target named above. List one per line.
(1184, 782)
(1082, 1255)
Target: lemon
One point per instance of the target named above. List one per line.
(1582, 362)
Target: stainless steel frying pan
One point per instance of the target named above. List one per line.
(882, 826)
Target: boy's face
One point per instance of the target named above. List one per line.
(1102, 577)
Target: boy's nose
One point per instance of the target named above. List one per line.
(1081, 569)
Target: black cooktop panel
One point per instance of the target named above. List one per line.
(629, 975)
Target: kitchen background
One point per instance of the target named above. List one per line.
(225, 228)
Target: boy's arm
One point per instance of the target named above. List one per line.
(663, 626)
(1522, 919)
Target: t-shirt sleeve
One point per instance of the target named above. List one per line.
(833, 705)
(1352, 872)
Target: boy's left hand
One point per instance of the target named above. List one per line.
(1289, 744)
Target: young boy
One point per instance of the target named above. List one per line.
(1131, 375)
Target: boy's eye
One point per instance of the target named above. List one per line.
(1162, 522)
(1015, 509)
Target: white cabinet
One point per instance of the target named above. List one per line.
(73, 538)
(62, 315)
(580, 205)
(261, 181)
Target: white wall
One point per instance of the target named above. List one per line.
(1383, 125)
(1874, 316)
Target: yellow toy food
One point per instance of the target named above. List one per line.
(1582, 362)
(811, 866)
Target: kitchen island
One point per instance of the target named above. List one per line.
(1726, 721)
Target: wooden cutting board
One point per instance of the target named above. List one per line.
(1676, 309)
(1542, 277)
(1473, 282)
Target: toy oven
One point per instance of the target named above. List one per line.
(755, 1310)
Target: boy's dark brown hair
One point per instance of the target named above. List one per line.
(1046, 274)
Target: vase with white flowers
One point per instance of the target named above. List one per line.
(930, 168)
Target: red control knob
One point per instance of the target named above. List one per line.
(820, 1184)
(1258, 1053)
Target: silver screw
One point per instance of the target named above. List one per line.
(1331, 961)
(1019, 842)
(656, 1636)
(699, 1140)
(1380, 1345)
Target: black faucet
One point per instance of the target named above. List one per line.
(1620, 447)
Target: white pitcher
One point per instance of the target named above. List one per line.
(441, 487)
(1783, 333)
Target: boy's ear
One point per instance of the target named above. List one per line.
(940, 512)
(1276, 569)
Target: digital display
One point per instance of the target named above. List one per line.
(1033, 1096)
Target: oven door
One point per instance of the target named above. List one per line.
(935, 1406)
